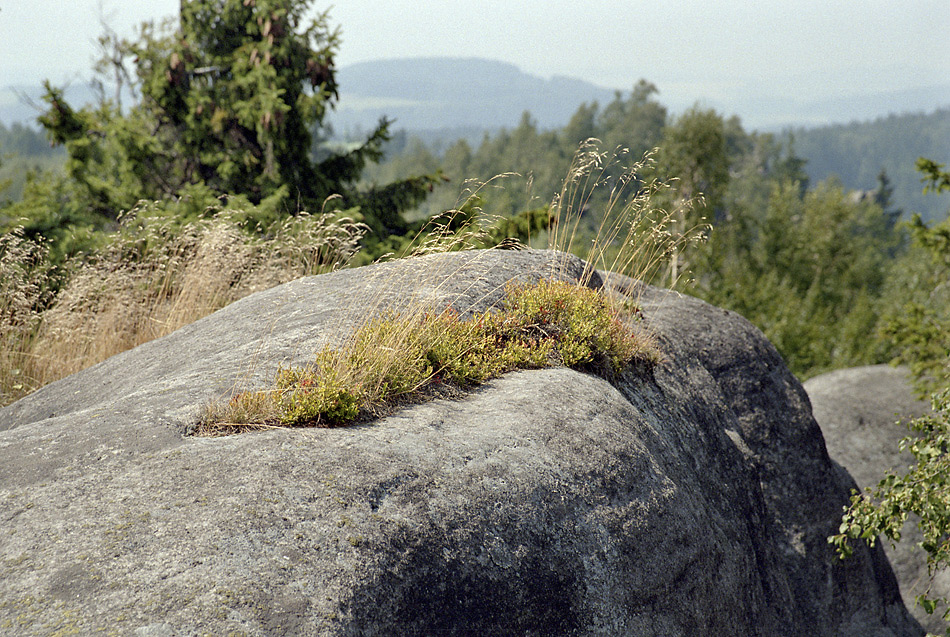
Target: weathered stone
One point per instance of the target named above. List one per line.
(863, 413)
(693, 500)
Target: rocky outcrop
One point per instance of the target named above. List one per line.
(693, 500)
(863, 413)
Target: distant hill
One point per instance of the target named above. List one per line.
(465, 94)
(857, 152)
(768, 113)
(442, 99)
(471, 95)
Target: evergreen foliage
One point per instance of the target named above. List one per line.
(228, 101)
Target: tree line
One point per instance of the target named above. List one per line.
(859, 152)
(821, 269)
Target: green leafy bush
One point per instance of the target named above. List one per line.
(921, 492)
(919, 333)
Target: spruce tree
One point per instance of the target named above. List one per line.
(229, 99)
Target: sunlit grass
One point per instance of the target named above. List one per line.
(393, 358)
(399, 358)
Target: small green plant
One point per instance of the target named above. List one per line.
(922, 491)
(396, 358)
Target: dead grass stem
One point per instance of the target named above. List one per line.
(156, 277)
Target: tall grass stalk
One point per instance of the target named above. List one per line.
(157, 276)
(634, 234)
(395, 354)
(25, 280)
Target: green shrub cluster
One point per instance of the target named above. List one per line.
(920, 334)
(921, 492)
(395, 358)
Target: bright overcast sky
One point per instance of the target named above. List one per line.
(692, 49)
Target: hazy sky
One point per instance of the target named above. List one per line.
(692, 49)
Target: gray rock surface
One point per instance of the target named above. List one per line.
(863, 413)
(695, 500)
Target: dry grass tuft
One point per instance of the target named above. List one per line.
(24, 291)
(403, 358)
(156, 277)
(391, 358)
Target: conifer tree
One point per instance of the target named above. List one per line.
(227, 101)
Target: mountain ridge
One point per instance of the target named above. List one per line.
(425, 94)
(428, 94)
(446, 93)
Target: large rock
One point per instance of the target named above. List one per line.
(863, 414)
(695, 500)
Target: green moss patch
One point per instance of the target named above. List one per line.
(406, 357)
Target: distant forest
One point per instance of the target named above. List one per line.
(859, 151)
(855, 153)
